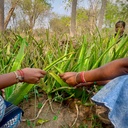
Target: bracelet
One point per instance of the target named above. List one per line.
(76, 78)
(82, 77)
(21, 73)
(19, 78)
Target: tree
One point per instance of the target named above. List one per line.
(60, 25)
(92, 15)
(112, 14)
(123, 5)
(82, 21)
(102, 14)
(1, 15)
(33, 9)
(73, 18)
(10, 13)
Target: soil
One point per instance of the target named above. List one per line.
(39, 112)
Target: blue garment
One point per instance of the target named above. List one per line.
(114, 95)
(10, 115)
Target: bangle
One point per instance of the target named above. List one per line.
(21, 75)
(76, 78)
(82, 77)
(19, 78)
(94, 82)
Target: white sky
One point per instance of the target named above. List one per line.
(59, 6)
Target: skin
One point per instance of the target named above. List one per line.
(31, 75)
(101, 75)
(119, 28)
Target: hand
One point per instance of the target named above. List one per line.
(69, 78)
(33, 75)
(86, 84)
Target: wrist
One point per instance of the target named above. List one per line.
(80, 77)
(19, 74)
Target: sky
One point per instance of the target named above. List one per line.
(59, 6)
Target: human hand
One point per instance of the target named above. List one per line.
(86, 84)
(33, 75)
(69, 78)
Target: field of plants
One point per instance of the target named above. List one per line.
(56, 54)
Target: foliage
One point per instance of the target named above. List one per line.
(56, 57)
(123, 5)
(115, 12)
(34, 9)
(82, 20)
(60, 24)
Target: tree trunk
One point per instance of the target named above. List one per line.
(73, 18)
(10, 13)
(1, 15)
(102, 13)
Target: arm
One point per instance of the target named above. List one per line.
(109, 71)
(101, 75)
(31, 75)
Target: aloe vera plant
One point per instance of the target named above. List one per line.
(54, 58)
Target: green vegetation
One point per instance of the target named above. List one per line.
(56, 57)
(34, 36)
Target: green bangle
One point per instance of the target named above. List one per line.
(94, 82)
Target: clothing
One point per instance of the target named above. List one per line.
(10, 115)
(114, 96)
(120, 37)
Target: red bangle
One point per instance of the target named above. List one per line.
(21, 73)
(82, 77)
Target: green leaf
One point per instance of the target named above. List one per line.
(41, 121)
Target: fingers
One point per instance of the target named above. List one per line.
(40, 75)
(38, 81)
(61, 75)
(86, 84)
(43, 72)
(33, 75)
(64, 78)
(67, 75)
(80, 85)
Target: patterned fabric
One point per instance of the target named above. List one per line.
(2, 108)
(14, 122)
(114, 96)
(10, 115)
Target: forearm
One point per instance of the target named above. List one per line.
(7, 80)
(109, 71)
(101, 83)
(27, 75)
(89, 84)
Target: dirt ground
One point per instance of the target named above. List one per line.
(39, 112)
